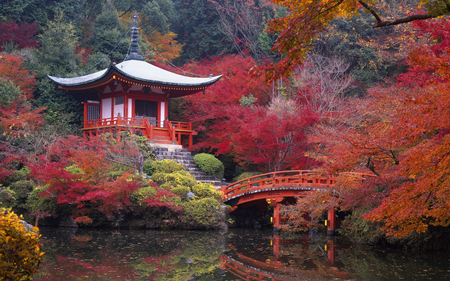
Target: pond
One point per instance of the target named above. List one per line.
(239, 254)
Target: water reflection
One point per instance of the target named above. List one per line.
(129, 255)
(302, 258)
(82, 254)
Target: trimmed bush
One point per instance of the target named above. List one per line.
(174, 179)
(179, 182)
(162, 166)
(206, 190)
(201, 214)
(209, 164)
(141, 194)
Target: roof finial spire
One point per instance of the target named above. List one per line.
(134, 41)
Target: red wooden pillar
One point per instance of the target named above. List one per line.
(191, 139)
(331, 251)
(305, 241)
(85, 114)
(276, 243)
(276, 217)
(331, 222)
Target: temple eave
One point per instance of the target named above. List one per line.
(132, 81)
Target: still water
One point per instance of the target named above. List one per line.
(239, 254)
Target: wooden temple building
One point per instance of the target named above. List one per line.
(134, 96)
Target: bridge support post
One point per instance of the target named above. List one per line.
(276, 217)
(331, 251)
(276, 214)
(276, 246)
(331, 223)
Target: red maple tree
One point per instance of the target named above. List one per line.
(399, 134)
(21, 35)
(12, 69)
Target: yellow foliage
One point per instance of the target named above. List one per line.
(20, 253)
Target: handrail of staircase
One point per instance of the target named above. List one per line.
(148, 128)
(171, 131)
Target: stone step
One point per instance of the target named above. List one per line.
(185, 158)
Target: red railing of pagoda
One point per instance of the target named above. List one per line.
(135, 122)
(277, 179)
(175, 129)
(120, 121)
(181, 125)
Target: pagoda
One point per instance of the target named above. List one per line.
(134, 96)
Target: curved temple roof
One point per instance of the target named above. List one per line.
(140, 71)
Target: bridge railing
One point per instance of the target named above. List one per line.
(277, 179)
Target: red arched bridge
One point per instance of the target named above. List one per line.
(278, 188)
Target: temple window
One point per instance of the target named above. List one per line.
(119, 100)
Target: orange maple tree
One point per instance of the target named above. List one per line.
(12, 69)
(306, 20)
(400, 135)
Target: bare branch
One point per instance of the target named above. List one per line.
(381, 23)
(404, 20)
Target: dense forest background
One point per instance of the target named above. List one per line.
(73, 38)
(302, 89)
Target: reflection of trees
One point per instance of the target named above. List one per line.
(129, 255)
(170, 255)
(198, 256)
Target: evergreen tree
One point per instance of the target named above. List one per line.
(199, 31)
(8, 92)
(109, 34)
(57, 56)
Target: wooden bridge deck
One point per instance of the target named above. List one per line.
(276, 187)
(300, 180)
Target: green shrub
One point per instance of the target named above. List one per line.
(18, 175)
(74, 170)
(21, 189)
(42, 204)
(142, 194)
(148, 168)
(162, 166)
(174, 179)
(209, 165)
(202, 213)
(245, 175)
(206, 190)
(180, 190)
(358, 229)
(179, 182)
(7, 197)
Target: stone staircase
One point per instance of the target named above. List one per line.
(184, 157)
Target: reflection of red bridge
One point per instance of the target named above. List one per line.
(248, 268)
(277, 188)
